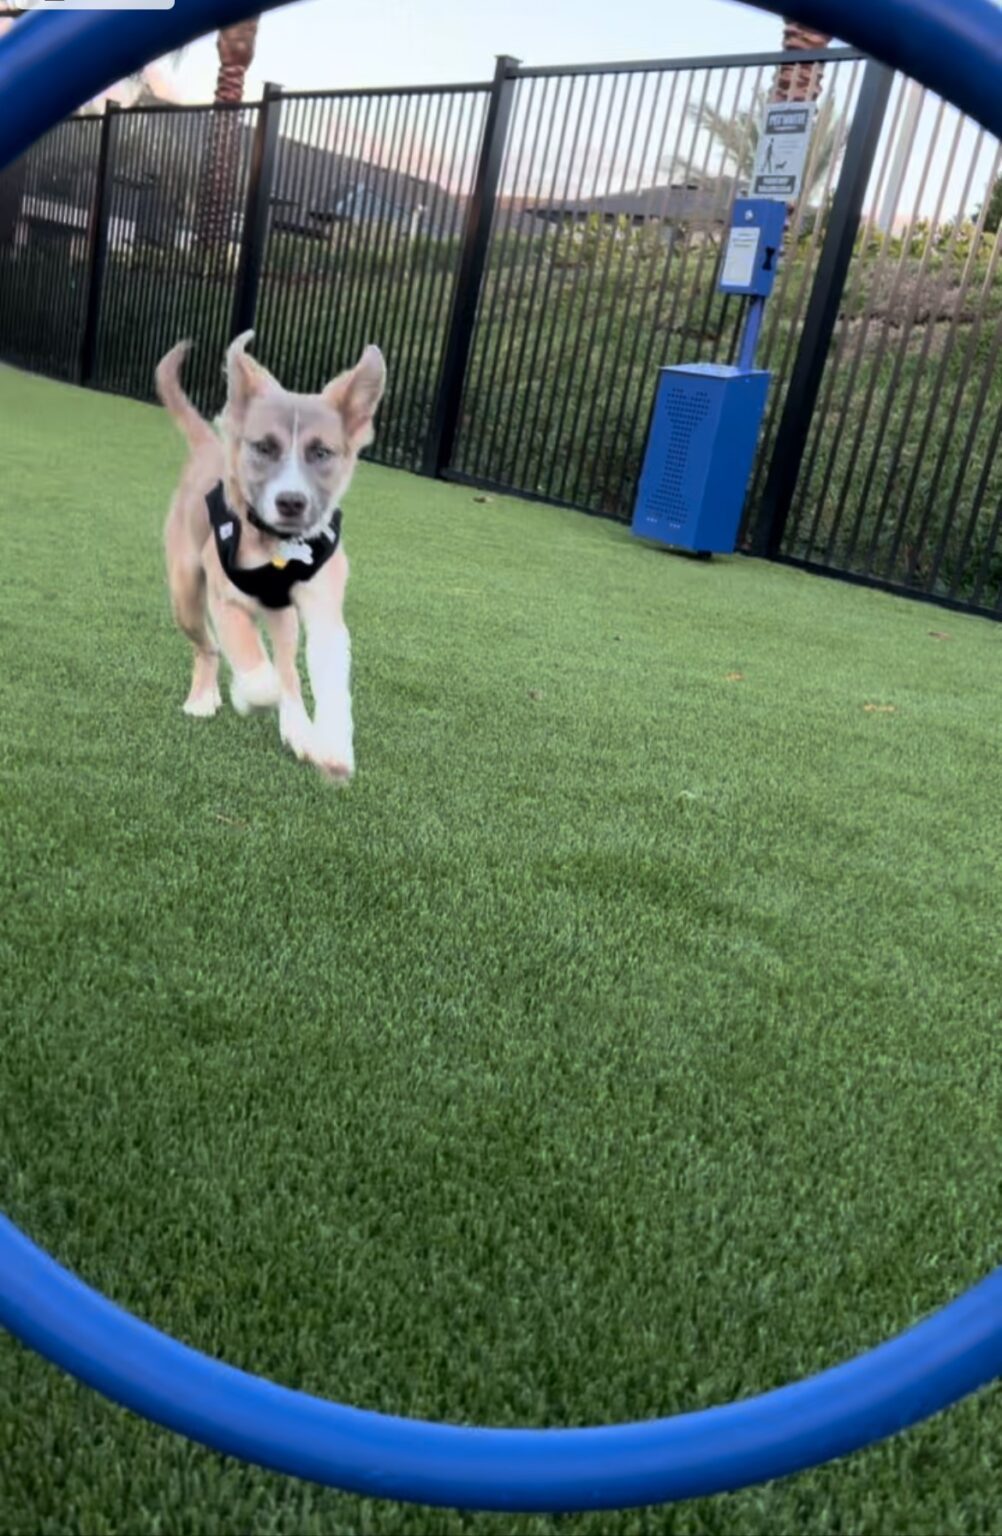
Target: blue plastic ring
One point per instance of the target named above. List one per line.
(912, 1376)
(50, 64)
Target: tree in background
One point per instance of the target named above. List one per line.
(799, 82)
(235, 46)
(993, 216)
(219, 181)
(12, 179)
(217, 203)
(736, 137)
(736, 134)
(802, 82)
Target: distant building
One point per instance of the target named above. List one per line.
(154, 185)
(315, 189)
(668, 207)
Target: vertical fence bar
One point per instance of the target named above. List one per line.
(97, 246)
(822, 310)
(876, 364)
(799, 295)
(934, 297)
(458, 145)
(257, 207)
(400, 284)
(938, 391)
(825, 435)
(417, 280)
(499, 284)
(445, 413)
(508, 357)
(335, 141)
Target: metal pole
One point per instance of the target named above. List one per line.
(902, 153)
(822, 310)
(97, 246)
(257, 207)
(444, 426)
(753, 325)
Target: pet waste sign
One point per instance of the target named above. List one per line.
(782, 150)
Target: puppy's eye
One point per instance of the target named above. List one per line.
(267, 447)
(319, 453)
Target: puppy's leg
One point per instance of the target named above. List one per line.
(255, 681)
(328, 656)
(204, 697)
(186, 581)
(282, 625)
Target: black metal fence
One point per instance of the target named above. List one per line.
(47, 200)
(171, 230)
(528, 251)
(368, 212)
(900, 482)
(608, 234)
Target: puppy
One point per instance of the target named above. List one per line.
(253, 540)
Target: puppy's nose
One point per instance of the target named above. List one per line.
(290, 504)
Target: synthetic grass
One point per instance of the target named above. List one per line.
(625, 1039)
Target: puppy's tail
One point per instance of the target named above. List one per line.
(174, 399)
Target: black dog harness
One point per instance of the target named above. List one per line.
(271, 584)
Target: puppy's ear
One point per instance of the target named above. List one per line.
(356, 394)
(245, 378)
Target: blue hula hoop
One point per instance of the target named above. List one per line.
(912, 1376)
(49, 64)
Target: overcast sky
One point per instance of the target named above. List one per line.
(357, 43)
(319, 43)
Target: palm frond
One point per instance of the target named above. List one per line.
(730, 141)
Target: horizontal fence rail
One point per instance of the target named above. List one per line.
(528, 251)
(700, 61)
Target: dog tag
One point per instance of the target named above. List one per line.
(295, 549)
(226, 531)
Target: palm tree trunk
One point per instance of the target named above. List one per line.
(13, 179)
(12, 185)
(799, 82)
(216, 207)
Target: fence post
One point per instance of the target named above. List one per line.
(97, 246)
(254, 235)
(441, 438)
(822, 310)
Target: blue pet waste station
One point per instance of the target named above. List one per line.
(706, 418)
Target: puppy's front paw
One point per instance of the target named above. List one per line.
(334, 757)
(255, 690)
(334, 769)
(295, 728)
(202, 706)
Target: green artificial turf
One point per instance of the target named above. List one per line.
(625, 1039)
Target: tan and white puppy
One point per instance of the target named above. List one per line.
(284, 462)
